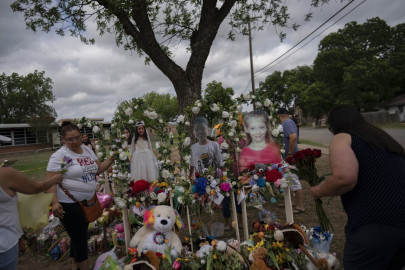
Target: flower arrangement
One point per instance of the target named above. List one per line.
(304, 161)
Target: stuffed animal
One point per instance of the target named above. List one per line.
(156, 234)
(258, 256)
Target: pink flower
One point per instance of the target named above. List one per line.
(176, 265)
(278, 182)
(225, 187)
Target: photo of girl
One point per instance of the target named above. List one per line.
(143, 161)
(259, 146)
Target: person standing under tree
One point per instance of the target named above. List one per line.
(290, 147)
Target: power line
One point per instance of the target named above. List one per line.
(306, 36)
(311, 39)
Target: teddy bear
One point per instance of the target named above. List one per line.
(157, 235)
(258, 257)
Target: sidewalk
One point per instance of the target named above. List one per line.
(324, 150)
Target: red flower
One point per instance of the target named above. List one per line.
(317, 153)
(290, 160)
(252, 167)
(308, 152)
(273, 175)
(140, 185)
(197, 175)
(299, 156)
(131, 183)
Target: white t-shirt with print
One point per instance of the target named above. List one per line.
(205, 156)
(80, 178)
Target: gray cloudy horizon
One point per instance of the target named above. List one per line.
(90, 80)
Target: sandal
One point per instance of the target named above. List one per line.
(297, 211)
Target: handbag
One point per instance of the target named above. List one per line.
(91, 209)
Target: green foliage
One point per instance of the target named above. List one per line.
(164, 104)
(361, 63)
(25, 98)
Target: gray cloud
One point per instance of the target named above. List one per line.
(90, 80)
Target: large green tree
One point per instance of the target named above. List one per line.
(152, 27)
(23, 98)
(360, 63)
(163, 104)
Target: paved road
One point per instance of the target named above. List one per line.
(322, 135)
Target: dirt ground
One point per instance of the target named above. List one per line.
(333, 208)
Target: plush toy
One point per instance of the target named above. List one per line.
(156, 234)
(258, 256)
(119, 228)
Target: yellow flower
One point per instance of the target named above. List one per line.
(186, 260)
(215, 256)
(163, 185)
(138, 204)
(163, 256)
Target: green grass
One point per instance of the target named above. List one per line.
(392, 125)
(304, 141)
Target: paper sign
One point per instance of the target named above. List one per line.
(217, 199)
(241, 197)
(139, 210)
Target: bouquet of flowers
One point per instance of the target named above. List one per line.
(304, 161)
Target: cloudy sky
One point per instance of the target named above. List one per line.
(90, 80)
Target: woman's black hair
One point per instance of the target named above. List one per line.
(129, 139)
(68, 126)
(145, 133)
(347, 119)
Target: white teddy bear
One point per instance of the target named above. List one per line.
(157, 234)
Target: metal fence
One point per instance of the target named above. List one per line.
(381, 117)
(28, 157)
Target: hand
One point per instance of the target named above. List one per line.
(58, 178)
(57, 210)
(315, 192)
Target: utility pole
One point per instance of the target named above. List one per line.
(251, 57)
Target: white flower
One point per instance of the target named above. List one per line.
(165, 174)
(213, 183)
(258, 104)
(121, 176)
(233, 183)
(112, 125)
(217, 189)
(236, 139)
(153, 115)
(255, 188)
(225, 173)
(187, 158)
(239, 108)
(161, 197)
(88, 124)
(246, 96)
(186, 141)
(130, 121)
(180, 200)
(146, 113)
(187, 123)
(225, 114)
(275, 132)
(80, 126)
(167, 161)
(98, 148)
(195, 110)
(255, 177)
(238, 149)
(233, 123)
(231, 134)
(128, 111)
(123, 156)
(267, 102)
(208, 189)
(114, 175)
(225, 156)
(124, 145)
(253, 96)
(280, 128)
(202, 261)
(169, 189)
(96, 129)
(198, 104)
(153, 195)
(224, 145)
(221, 246)
(181, 189)
(136, 107)
(119, 202)
(160, 121)
(180, 119)
(120, 150)
(282, 151)
(214, 107)
(130, 199)
(142, 199)
(100, 154)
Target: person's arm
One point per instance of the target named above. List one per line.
(57, 209)
(344, 166)
(103, 166)
(292, 143)
(18, 182)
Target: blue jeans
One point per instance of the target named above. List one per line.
(226, 207)
(9, 259)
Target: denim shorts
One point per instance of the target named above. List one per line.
(9, 259)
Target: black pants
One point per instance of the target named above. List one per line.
(374, 246)
(76, 227)
(226, 207)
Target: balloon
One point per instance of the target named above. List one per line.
(104, 199)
